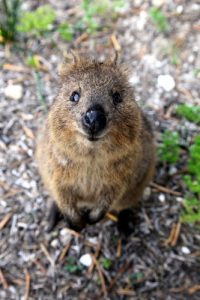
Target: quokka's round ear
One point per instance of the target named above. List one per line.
(70, 59)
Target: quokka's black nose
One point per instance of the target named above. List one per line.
(94, 120)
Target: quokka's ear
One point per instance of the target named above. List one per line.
(71, 59)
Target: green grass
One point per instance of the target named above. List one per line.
(38, 21)
(71, 265)
(169, 150)
(9, 18)
(189, 112)
(159, 19)
(191, 212)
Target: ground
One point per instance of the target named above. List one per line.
(149, 264)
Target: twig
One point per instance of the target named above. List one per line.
(5, 220)
(28, 284)
(195, 288)
(15, 68)
(3, 280)
(96, 255)
(83, 37)
(101, 277)
(164, 189)
(74, 233)
(174, 234)
(111, 217)
(115, 42)
(119, 248)
(119, 273)
(39, 265)
(126, 292)
(64, 252)
(48, 256)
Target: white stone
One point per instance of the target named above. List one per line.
(13, 91)
(65, 236)
(158, 2)
(161, 197)
(54, 243)
(86, 260)
(179, 199)
(185, 250)
(166, 82)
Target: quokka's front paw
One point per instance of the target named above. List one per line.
(126, 221)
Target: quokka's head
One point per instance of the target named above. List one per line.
(95, 103)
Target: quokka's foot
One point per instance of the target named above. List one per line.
(54, 217)
(126, 221)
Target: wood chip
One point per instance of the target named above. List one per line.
(194, 289)
(174, 234)
(164, 189)
(111, 217)
(115, 42)
(29, 133)
(48, 256)
(83, 37)
(28, 284)
(119, 248)
(3, 280)
(64, 252)
(126, 292)
(15, 68)
(5, 220)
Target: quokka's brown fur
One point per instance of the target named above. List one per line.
(95, 176)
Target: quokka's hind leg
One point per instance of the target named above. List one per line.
(127, 219)
(54, 217)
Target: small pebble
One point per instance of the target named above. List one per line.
(86, 260)
(65, 236)
(54, 243)
(166, 82)
(14, 91)
(161, 197)
(179, 199)
(185, 250)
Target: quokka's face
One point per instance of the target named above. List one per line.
(96, 101)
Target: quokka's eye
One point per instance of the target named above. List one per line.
(117, 98)
(75, 96)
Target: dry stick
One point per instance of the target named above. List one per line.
(40, 266)
(115, 42)
(111, 217)
(3, 280)
(101, 277)
(64, 252)
(121, 270)
(28, 284)
(5, 220)
(83, 37)
(164, 189)
(194, 289)
(174, 234)
(119, 248)
(48, 256)
(96, 255)
(125, 292)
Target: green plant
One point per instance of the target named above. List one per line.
(196, 72)
(190, 112)
(169, 150)
(37, 22)
(192, 180)
(66, 31)
(106, 262)
(94, 8)
(191, 211)
(71, 265)
(159, 19)
(9, 17)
